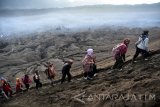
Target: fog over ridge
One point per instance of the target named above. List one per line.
(26, 21)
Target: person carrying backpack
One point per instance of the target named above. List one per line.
(36, 79)
(50, 72)
(19, 86)
(66, 71)
(119, 52)
(26, 80)
(89, 65)
(142, 46)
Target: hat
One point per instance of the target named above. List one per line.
(89, 51)
(145, 32)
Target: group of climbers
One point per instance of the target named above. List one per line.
(88, 63)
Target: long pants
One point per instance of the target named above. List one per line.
(119, 62)
(38, 84)
(88, 74)
(8, 93)
(27, 86)
(3, 94)
(144, 53)
(64, 76)
(93, 70)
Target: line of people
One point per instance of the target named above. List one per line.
(120, 50)
(88, 63)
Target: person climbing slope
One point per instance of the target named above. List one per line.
(142, 46)
(119, 52)
(26, 80)
(19, 86)
(36, 79)
(66, 71)
(89, 65)
(50, 72)
(6, 88)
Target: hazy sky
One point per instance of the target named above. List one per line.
(65, 3)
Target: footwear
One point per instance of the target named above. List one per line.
(146, 59)
(110, 71)
(89, 78)
(134, 61)
(85, 78)
(120, 69)
(95, 75)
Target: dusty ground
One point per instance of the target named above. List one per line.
(20, 55)
(136, 86)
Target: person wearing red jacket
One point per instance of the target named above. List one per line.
(6, 88)
(19, 85)
(119, 54)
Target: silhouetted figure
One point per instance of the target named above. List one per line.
(26, 80)
(66, 71)
(36, 79)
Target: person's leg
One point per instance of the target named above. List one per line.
(51, 80)
(94, 68)
(120, 62)
(90, 75)
(145, 53)
(85, 74)
(115, 64)
(37, 85)
(40, 84)
(63, 77)
(11, 93)
(138, 51)
(69, 77)
(27, 87)
(6, 93)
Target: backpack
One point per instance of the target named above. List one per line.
(116, 49)
(143, 38)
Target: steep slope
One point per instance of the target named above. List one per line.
(136, 86)
(22, 55)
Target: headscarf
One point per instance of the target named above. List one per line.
(90, 52)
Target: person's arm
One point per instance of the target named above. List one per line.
(139, 40)
(123, 57)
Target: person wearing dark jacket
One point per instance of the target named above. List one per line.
(66, 71)
(36, 79)
(26, 80)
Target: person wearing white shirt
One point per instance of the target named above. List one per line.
(142, 46)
